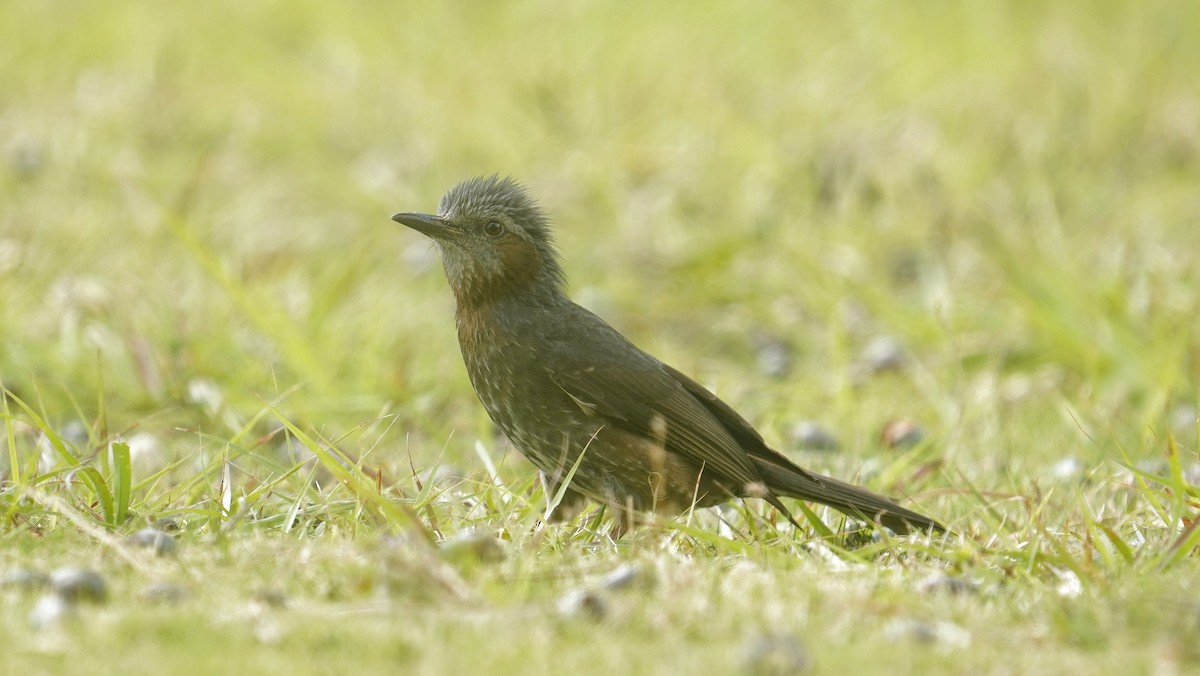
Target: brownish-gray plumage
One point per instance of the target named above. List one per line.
(559, 381)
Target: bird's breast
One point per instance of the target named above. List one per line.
(514, 387)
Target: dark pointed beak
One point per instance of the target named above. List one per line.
(427, 224)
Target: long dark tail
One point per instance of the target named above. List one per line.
(853, 500)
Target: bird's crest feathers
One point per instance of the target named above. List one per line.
(495, 193)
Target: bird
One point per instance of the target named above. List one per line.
(585, 405)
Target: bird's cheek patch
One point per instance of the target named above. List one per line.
(518, 257)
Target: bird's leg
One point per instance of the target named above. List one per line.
(625, 518)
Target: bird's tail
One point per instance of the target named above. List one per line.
(853, 500)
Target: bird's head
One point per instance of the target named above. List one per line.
(494, 238)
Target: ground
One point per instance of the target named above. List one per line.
(949, 252)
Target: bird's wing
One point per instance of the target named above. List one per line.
(742, 431)
(640, 395)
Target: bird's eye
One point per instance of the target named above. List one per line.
(493, 229)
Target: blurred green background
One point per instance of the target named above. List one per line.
(962, 239)
(196, 201)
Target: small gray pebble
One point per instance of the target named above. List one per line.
(1153, 467)
(775, 655)
(165, 592)
(25, 155)
(50, 609)
(901, 433)
(270, 598)
(78, 584)
(941, 582)
(774, 358)
(882, 353)
(918, 630)
(625, 577)
(811, 436)
(1191, 473)
(23, 578)
(582, 603)
(944, 635)
(74, 432)
(152, 538)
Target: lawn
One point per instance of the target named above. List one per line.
(948, 251)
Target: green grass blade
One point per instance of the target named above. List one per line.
(93, 479)
(121, 481)
(14, 457)
(361, 485)
(56, 441)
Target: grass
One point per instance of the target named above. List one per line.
(209, 325)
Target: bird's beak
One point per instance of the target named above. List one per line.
(427, 224)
